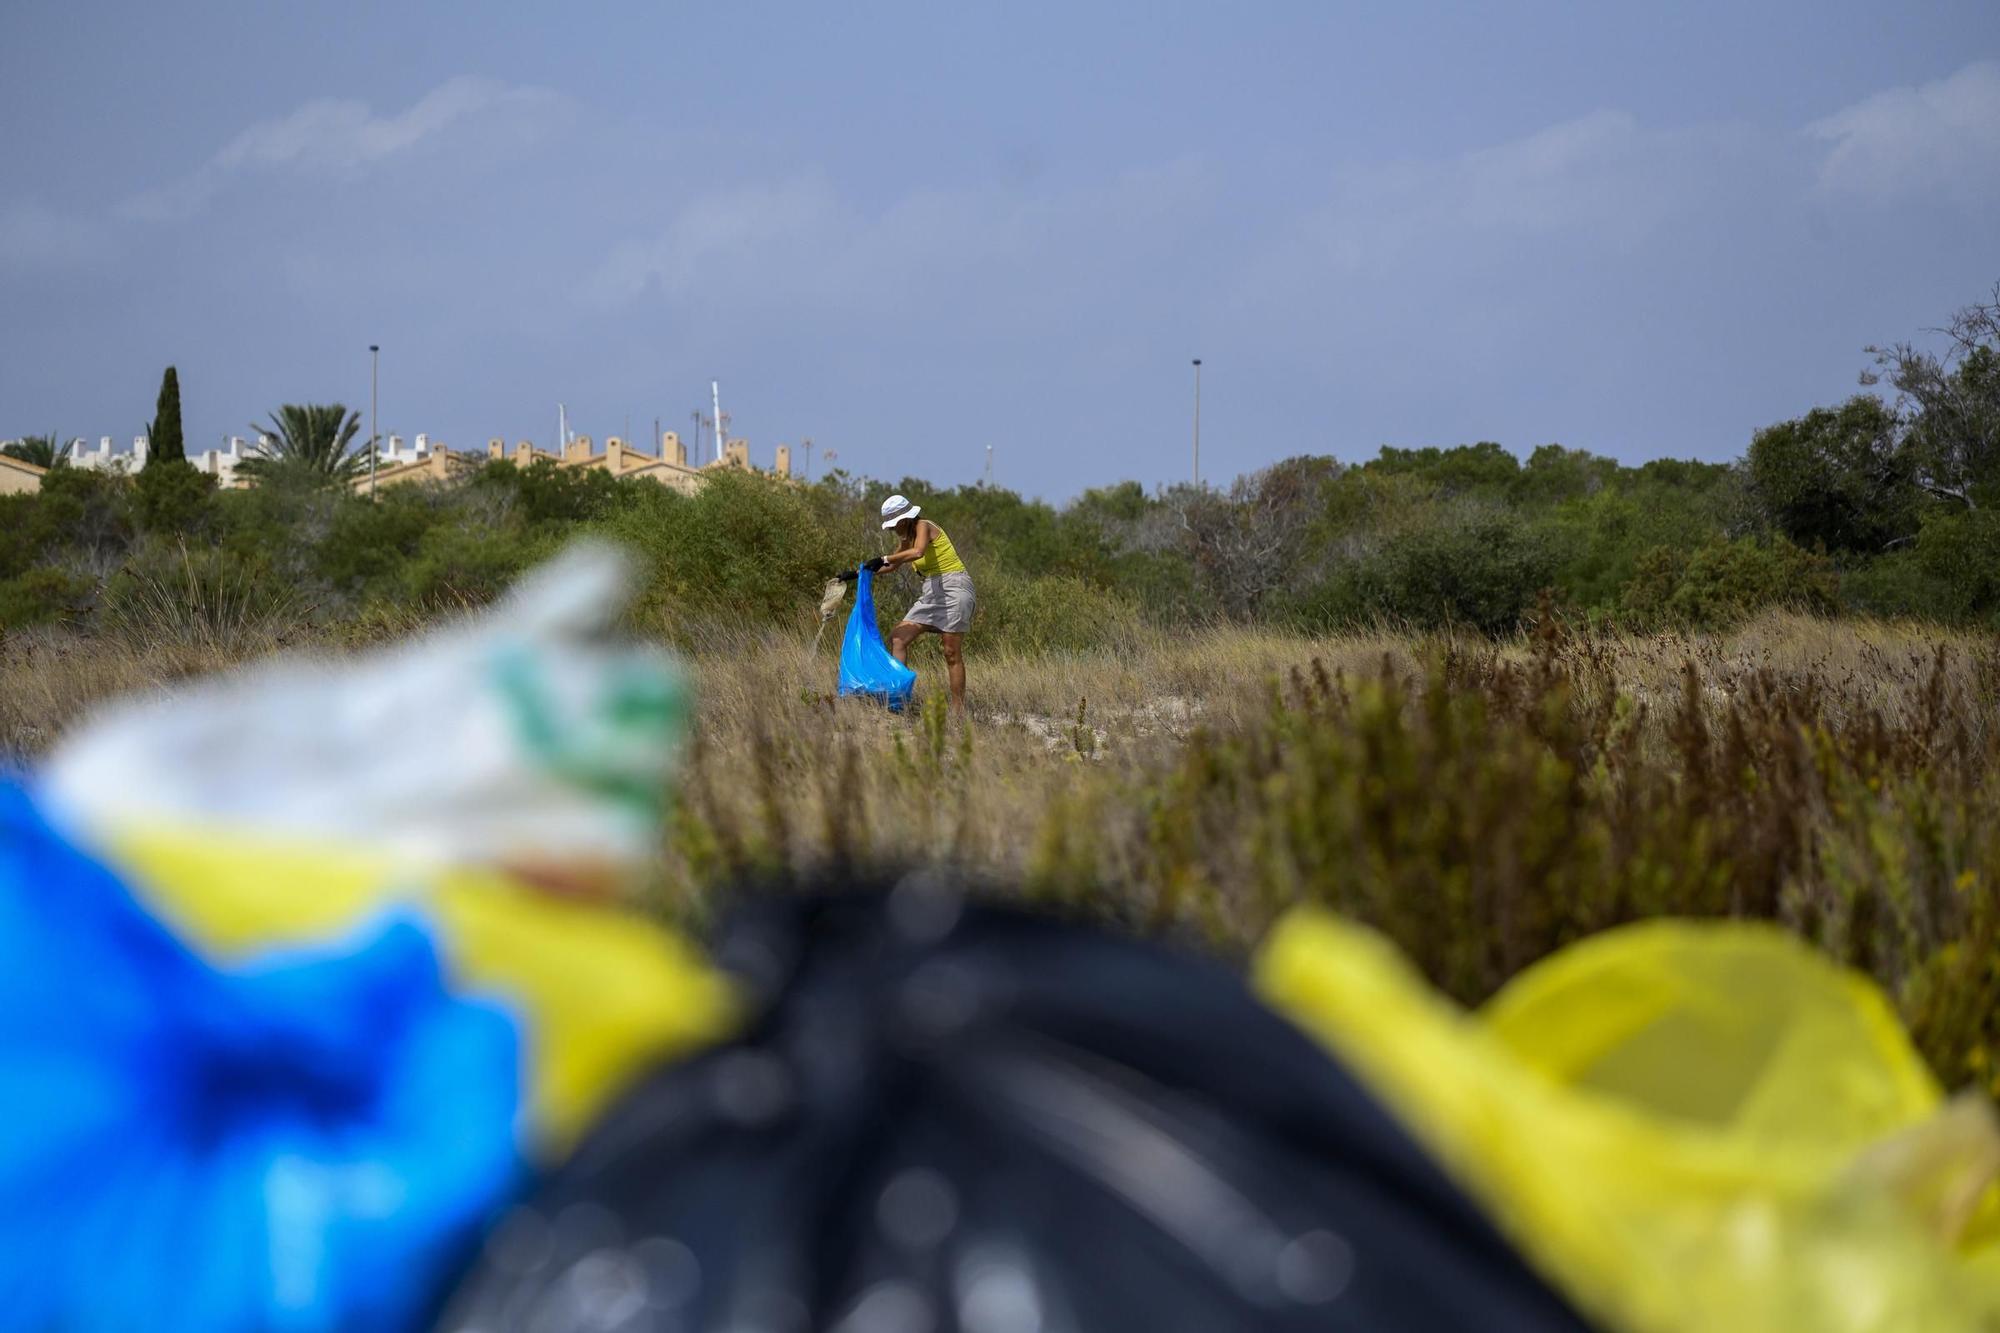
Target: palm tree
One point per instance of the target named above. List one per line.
(311, 439)
(41, 450)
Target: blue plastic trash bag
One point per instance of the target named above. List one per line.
(865, 665)
(307, 1143)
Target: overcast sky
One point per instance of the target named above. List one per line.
(911, 231)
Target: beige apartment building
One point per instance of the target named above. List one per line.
(669, 467)
(19, 477)
(426, 461)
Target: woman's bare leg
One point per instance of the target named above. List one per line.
(901, 637)
(954, 666)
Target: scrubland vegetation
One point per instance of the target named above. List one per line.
(1488, 704)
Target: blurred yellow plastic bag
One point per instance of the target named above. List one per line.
(1685, 1126)
(598, 994)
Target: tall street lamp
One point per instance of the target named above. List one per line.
(374, 420)
(1197, 421)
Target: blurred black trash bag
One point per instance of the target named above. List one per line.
(954, 1116)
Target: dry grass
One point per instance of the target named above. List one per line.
(1483, 803)
(789, 774)
(50, 677)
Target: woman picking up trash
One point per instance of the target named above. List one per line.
(945, 606)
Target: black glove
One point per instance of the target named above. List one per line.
(848, 575)
(873, 566)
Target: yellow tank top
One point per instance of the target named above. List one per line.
(939, 557)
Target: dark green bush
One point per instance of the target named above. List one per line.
(368, 543)
(1960, 551)
(545, 494)
(1721, 582)
(1899, 584)
(1463, 469)
(171, 496)
(44, 594)
(1554, 474)
(459, 564)
(1836, 478)
(1482, 572)
(81, 511)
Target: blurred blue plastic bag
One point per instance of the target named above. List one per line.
(308, 1142)
(865, 665)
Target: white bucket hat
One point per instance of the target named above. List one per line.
(897, 508)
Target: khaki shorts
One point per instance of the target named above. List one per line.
(946, 603)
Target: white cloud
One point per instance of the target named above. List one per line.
(1945, 134)
(343, 135)
(338, 136)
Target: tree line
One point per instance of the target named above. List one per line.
(1887, 504)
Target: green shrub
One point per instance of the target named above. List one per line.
(1482, 572)
(369, 543)
(1461, 469)
(81, 511)
(200, 597)
(460, 564)
(20, 545)
(1553, 474)
(543, 493)
(43, 594)
(171, 496)
(1162, 587)
(1898, 585)
(1050, 613)
(1721, 582)
(744, 548)
(1961, 553)
(1597, 541)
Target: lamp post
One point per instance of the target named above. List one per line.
(1197, 422)
(374, 419)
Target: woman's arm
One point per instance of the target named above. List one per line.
(915, 550)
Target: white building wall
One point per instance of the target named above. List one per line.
(102, 458)
(221, 463)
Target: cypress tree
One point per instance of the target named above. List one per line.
(163, 437)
